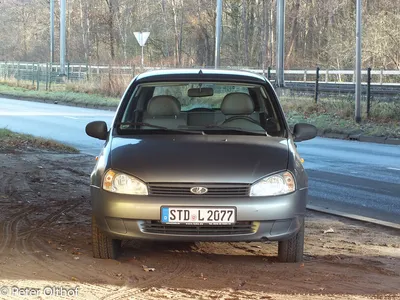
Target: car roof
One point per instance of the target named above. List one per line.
(203, 74)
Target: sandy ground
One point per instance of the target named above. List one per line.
(45, 250)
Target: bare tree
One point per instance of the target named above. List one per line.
(110, 22)
(183, 32)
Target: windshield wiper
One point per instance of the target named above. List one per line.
(156, 127)
(236, 129)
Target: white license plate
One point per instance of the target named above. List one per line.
(198, 215)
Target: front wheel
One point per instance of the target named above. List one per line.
(292, 250)
(104, 246)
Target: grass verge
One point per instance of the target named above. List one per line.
(11, 141)
(61, 96)
(332, 124)
(337, 116)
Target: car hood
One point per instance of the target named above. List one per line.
(199, 158)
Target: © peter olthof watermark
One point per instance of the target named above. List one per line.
(51, 291)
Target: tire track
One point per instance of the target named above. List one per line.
(59, 263)
(33, 245)
(10, 227)
(51, 218)
(28, 239)
(39, 257)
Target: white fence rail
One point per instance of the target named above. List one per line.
(45, 71)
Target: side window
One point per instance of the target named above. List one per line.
(273, 121)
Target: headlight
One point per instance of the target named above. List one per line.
(121, 183)
(277, 184)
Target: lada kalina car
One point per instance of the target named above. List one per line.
(199, 155)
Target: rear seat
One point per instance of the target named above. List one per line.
(165, 110)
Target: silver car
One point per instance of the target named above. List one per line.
(199, 155)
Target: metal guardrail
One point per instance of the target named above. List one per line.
(345, 87)
(335, 76)
(83, 71)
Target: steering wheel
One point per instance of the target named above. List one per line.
(242, 118)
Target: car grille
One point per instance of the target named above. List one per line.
(238, 228)
(214, 190)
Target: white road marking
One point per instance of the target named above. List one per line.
(396, 169)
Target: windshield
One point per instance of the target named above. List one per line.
(212, 108)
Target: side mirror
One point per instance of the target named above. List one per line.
(303, 132)
(97, 129)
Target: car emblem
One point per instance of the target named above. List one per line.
(199, 190)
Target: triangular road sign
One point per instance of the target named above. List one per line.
(142, 37)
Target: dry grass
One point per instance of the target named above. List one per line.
(337, 116)
(106, 85)
(18, 83)
(342, 108)
(109, 85)
(16, 141)
(61, 95)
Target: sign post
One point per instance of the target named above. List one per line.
(52, 31)
(358, 62)
(280, 51)
(218, 27)
(142, 37)
(62, 36)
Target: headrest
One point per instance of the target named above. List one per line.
(163, 105)
(237, 104)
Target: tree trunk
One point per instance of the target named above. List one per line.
(111, 27)
(24, 34)
(265, 37)
(180, 39)
(96, 38)
(246, 32)
(165, 37)
(293, 34)
(176, 32)
(85, 27)
(254, 34)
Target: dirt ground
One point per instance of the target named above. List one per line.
(45, 250)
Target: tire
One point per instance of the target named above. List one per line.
(291, 250)
(103, 246)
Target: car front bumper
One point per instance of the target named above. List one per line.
(258, 218)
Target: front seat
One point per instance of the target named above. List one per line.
(237, 108)
(163, 111)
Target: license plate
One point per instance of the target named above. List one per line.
(198, 215)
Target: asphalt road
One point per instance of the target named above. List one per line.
(348, 176)
(61, 123)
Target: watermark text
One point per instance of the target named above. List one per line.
(51, 291)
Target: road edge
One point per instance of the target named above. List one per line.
(353, 217)
(55, 102)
